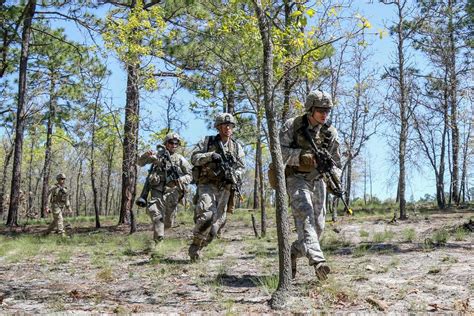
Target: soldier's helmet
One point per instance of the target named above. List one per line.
(60, 176)
(171, 136)
(318, 99)
(224, 118)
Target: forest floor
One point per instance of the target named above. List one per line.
(424, 264)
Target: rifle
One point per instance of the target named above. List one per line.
(171, 172)
(226, 168)
(325, 166)
(142, 200)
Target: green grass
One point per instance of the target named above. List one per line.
(168, 247)
(363, 234)
(460, 234)
(440, 236)
(360, 250)
(380, 237)
(214, 250)
(267, 283)
(261, 248)
(409, 234)
(106, 274)
(332, 241)
(64, 256)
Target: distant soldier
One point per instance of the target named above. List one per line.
(305, 186)
(218, 167)
(169, 175)
(59, 203)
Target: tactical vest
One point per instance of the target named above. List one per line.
(322, 139)
(210, 172)
(59, 195)
(158, 174)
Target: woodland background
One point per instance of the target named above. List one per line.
(58, 114)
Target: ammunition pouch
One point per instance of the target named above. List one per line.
(272, 179)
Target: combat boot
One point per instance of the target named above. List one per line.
(322, 270)
(194, 252)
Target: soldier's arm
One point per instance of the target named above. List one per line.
(291, 156)
(185, 167)
(148, 158)
(199, 155)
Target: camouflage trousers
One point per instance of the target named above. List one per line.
(162, 210)
(210, 213)
(58, 222)
(308, 204)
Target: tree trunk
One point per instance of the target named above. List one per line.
(110, 159)
(12, 219)
(92, 165)
(454, 107)
(279, 297)
(286, 79)
(130, 143)
(403, 115)
(27, 194)
(3, 184)
(48, 153)
(78, 189)
(257, 177)
(464, 180)
(259, 158)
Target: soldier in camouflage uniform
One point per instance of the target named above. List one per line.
(305, 186)
(166, 192)
(59, 201)
(214, 194)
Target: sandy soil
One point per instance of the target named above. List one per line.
(374, 268)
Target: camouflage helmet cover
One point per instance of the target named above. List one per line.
(171, 136)
(318, 99)
(224, 118)
(60, 176)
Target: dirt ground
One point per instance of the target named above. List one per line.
(376, 266)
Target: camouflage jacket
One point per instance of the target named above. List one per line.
(293, 142)
(58, 195)
(202, 161)
(161, 172)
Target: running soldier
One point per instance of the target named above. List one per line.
(218, 167)
(169, 175)
(305, 186)
(59, 201)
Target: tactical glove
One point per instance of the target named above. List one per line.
(215, 157)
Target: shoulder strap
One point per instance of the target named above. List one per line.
(327, 135)
(300, 123)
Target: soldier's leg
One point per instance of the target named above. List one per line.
(302, 207)
(52, 225)
(220, 215)
(319, 203)
(155, 211)
(171, 199)
(204, 207)
(60, 222)
(321, 269)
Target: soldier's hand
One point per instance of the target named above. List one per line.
(215, 157)
(308, 160)
(149, 153)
